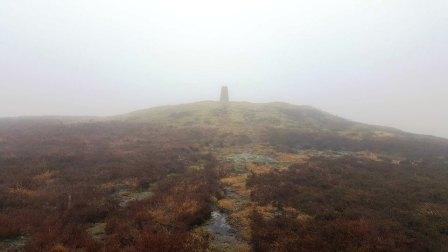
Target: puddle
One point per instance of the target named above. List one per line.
(224, 235)
(220, 228)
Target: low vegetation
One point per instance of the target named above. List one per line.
(283, 177)
(57, 181)
(348, 204)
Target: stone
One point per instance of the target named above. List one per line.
(224, 94)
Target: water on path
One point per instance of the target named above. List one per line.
(225, 236)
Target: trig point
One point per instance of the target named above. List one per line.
(224, 94)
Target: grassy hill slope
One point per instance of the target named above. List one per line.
(290, 126)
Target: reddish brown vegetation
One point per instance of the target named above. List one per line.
(355, 204)
(409, 145)
(58, 180)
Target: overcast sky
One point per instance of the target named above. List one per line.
(376, 61)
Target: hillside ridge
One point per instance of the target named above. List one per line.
(244, 114)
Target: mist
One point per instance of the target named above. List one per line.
(378, 62)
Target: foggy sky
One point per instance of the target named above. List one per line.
(383, 62)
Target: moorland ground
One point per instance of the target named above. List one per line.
(284, 177)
